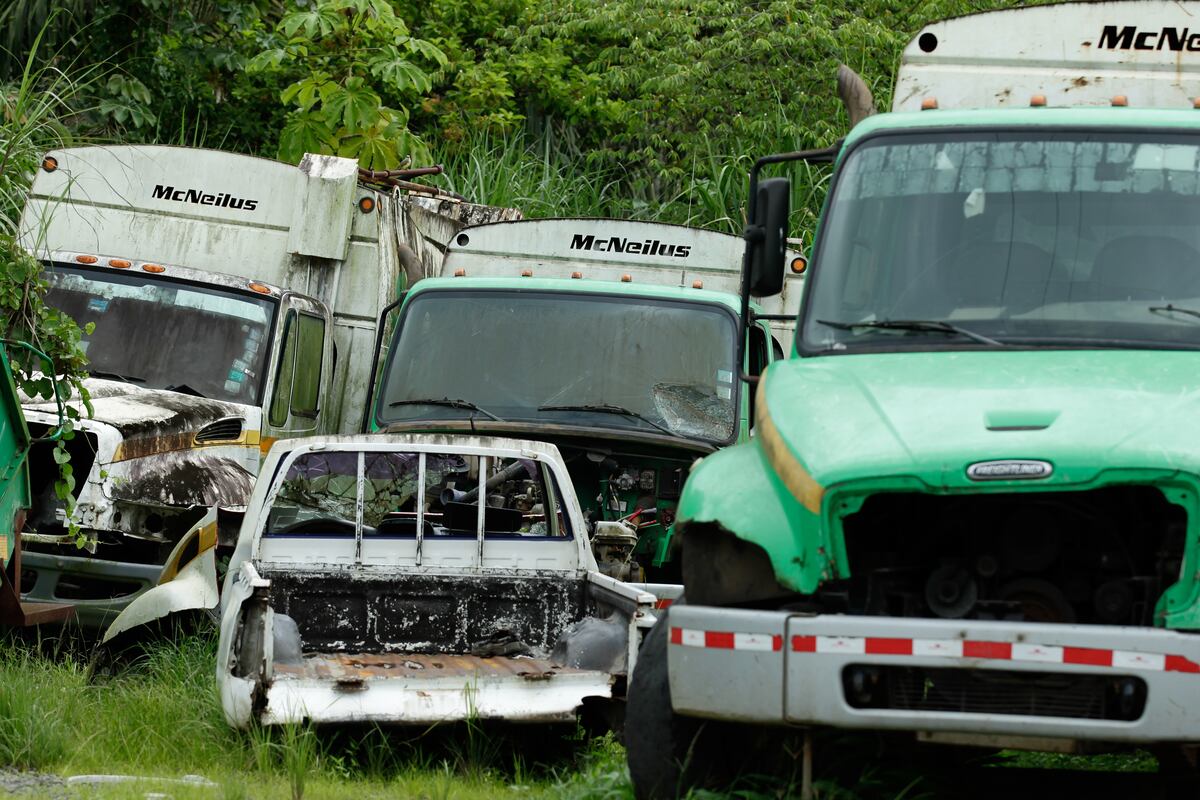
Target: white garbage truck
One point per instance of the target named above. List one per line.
(234, 302)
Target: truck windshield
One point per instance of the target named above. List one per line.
(580, 359)
(161, 334)
(1016, 238)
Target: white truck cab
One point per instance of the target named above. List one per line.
(227, 301)
(420, 579)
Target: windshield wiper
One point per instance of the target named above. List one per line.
(1175, 309)
(99, 373)
(608, 408)
(447, 402)
(935, 325)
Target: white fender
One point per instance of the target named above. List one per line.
(181, 587)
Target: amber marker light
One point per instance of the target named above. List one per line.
(799, 265)
(929, 104)
(460, 273)
(526, 273)
(626, 278)
(119, 263)
(697, 284)
(1196, 103)
(49, 163)
(366, 205)
(576, 275)
(1038, 101)
(156, 268)
(86, 259)
(261, 288)
(1120, 101)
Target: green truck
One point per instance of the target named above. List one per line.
(970, 513)
(617, 341)
(15, 499)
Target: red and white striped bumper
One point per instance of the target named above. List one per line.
(774, 667)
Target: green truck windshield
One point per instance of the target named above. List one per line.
(1020, 238)
(571, 359)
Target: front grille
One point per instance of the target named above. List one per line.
(220, 431)
(1095, 557)
(1005, 692)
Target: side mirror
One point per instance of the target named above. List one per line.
(767, 237)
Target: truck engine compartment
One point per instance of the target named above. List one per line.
(1102, 556)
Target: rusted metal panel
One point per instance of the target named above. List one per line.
(344, 667)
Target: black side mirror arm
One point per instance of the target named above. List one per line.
(754, 233)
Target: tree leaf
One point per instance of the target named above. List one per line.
(305, 132)
(354, 104)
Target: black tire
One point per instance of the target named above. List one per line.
(668, 754)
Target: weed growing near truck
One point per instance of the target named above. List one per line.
(32, 114)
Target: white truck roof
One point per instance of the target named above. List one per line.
(302, 228)
(1074, 54)
(616, 251)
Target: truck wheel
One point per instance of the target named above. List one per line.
(669, 754)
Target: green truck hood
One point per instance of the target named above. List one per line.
(929, 415)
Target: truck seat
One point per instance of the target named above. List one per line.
(1146, 268)
(1016, 275)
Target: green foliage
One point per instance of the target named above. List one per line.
(33, 735)
(30, 125)
(354, 70)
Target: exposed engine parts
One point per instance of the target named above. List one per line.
(1098, 557)
(614, 543)
(632, 513)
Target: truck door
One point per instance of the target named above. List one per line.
(301, 362)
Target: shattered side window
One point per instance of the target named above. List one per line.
(391, 496)
(318, 497)
(514, 493)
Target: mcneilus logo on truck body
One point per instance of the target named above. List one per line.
(1128, 37)
(220, 200)
(619, 244)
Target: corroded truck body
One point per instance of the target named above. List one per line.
(229, 301)
(971, 510)
(412, 580)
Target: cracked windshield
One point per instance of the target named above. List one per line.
(630, 364)
(165, 335)
(1011, 239)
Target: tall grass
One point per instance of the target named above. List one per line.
(545, 179)
(36, 111)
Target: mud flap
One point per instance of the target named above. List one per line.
(188, 581)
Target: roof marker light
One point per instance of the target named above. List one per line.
(1038, 101)
(626, 278)
(86, 259)
(261, 288)
(155, 268)
(929, 104)
(1196, 103)
(577, 275)
(697, 284)
(119, 263)
(459, 273)
(1120, 100)
(526, 273)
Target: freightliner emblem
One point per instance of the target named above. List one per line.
(1009, 469)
